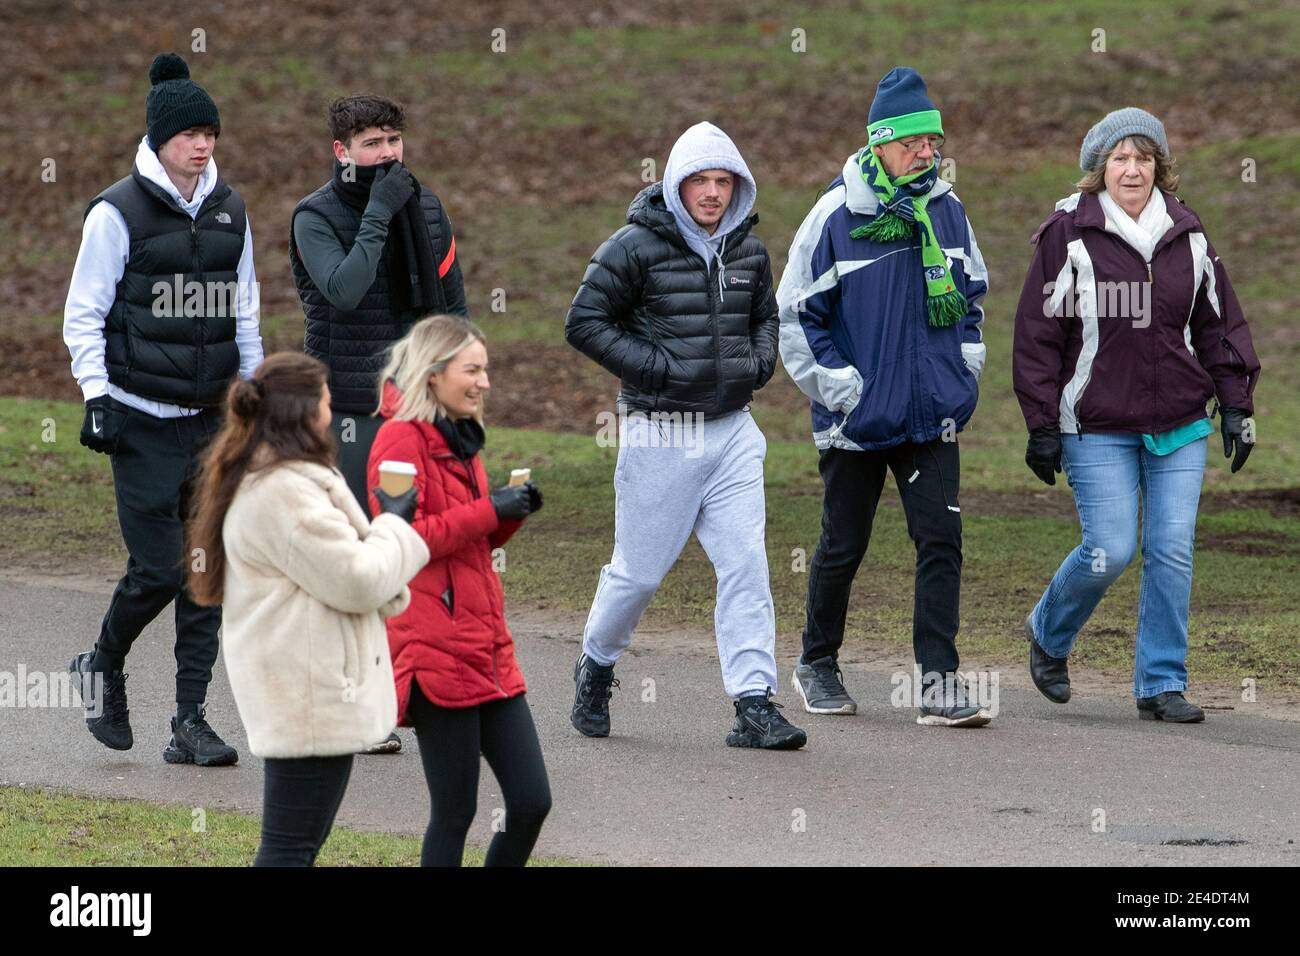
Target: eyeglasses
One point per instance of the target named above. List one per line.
(916, 143)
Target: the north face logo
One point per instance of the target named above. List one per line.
(737, 280)
(223, 217)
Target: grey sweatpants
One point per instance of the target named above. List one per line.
(675, 477)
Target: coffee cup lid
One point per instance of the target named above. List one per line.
(397, 467)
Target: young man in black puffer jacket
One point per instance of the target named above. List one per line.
(679, 305)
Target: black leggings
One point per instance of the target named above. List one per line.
(300, 797)
(451, 740)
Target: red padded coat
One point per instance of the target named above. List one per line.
(453, 638)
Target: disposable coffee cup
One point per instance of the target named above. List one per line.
(519, 475)
(396, 477)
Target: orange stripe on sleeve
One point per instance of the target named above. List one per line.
(447, 262)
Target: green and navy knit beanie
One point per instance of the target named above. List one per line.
(902, 108)
(175, 102)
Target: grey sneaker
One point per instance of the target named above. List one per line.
(821, 685)
(952, 706)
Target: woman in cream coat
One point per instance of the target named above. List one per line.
(305, 581)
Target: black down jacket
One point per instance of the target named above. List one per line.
(682, 336)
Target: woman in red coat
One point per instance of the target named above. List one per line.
(453, 658)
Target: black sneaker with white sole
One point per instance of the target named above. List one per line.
(821, 686)
(194, 741)
(949, 704)
(112, 724)
(759, 724)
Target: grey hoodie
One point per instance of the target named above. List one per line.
(701, 147)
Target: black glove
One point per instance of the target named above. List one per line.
(100, 426)
(1043, 454)
(512, 503)
(1232, 421)
(534, 496)
(390, 190)
(403, 505)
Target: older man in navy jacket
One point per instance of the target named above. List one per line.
(880, 327)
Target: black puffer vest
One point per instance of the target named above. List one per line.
(354, 344)
(170, 334)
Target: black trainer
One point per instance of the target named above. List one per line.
(759, 724)
(193, 741)
(593, 687)
(112, 726)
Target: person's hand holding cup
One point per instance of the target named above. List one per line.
(396, 491)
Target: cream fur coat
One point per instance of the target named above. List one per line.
(308, 583)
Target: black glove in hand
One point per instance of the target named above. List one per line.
(512, 503)
(1232, 421)
(97, 433)
(391, 190)
(403, 505)
(534, 497)
(1043, 453)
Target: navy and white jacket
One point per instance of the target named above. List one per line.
(854, 330)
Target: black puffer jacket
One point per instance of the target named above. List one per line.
(650, 311)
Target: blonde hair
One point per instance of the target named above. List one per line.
(1166, 177)
(427, 349)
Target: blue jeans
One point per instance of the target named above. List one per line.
(1108, 471)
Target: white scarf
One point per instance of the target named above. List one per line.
(1144, 232)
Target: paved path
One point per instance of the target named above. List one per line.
(874, 788)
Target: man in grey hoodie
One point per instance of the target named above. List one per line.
(679, 304)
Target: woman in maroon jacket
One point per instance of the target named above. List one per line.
(453, 658)
(1127, 327)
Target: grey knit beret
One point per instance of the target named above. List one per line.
(1129, 121)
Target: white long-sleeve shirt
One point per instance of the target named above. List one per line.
(101, 262)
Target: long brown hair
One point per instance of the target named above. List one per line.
(275, 409)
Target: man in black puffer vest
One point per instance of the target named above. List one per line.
(372, 253)
(349, 239)
(679, 305)
(162, 314)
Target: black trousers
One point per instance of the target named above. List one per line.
(355, 433)
(451, 740)
(154, 464)
(300, 798)
(928, 482)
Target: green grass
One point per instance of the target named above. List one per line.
(47, 828)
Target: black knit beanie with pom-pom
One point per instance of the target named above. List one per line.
(175, 102)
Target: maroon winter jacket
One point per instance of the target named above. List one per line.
(1104, 343)
(453, 638)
